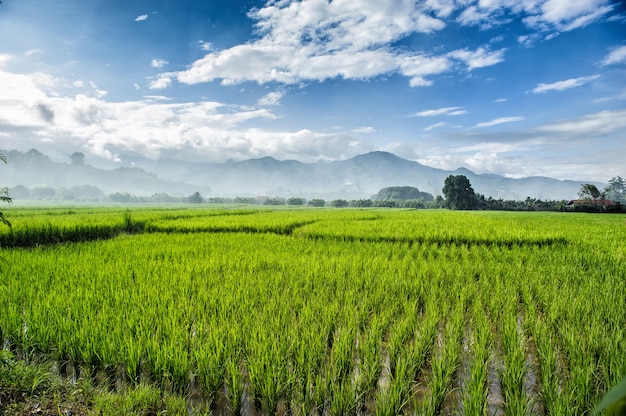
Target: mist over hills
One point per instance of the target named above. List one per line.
(359, 177)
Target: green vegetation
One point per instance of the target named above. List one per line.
(402, 193)
(4, 197)
(302, 310)
(458, 193)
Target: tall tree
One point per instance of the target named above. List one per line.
(4, 196)
(590, 192)
(458, 193)
(616, 189)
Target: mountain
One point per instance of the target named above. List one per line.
(33, 169)
(359, 177)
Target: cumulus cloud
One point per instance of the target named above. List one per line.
(319, 40)
(446, 111)
(141, 18)
(500, 120)
(564, 85)
(155, 127)
(616, 56)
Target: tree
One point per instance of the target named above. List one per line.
(4, 197)
(195, 198)
(275, 201)
(361, 203)
(616, 189)
(296, 201)
(316, 202)
(339, 203)
(401, 193)
(589, 192)
(458, 193)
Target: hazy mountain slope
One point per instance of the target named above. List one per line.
(34, 169)
(358, 177)
(361, 177)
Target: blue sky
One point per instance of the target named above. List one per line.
(513, 87)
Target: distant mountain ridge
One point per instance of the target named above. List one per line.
(359, 177)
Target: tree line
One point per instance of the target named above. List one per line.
(458, 194)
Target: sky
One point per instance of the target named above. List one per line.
(511, 87)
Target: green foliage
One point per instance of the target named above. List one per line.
(323, 311)
(245, 200)
(195, 198)
(402, 193)
(616, 190)
(275, 201)
(4, 197)
(614, 402)
(589, 191)
(361, 203)
(138, 401)
(339, 203)
(458, 193)
(316, 202)
(296, 201)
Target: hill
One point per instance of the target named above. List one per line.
(357, 177)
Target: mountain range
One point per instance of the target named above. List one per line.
(355, 178)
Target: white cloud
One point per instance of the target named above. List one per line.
(447, 111)
(162, 81)
(573, 14)
(564, 85)
(99, 93)
(544, 15)
(500, 120)
(590, 125)
(4, 58)
(364, 130)
(158, 63)
(141, 18)
(318, 40)
(479, 58)
(475, 16)
(616, 56)
(272, 98)
(32, 52)
(527, 40)
(205, 46)
(435, 126)
(154, 127)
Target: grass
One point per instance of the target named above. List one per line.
(341, 311)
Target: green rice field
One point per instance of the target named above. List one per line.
(323, 311)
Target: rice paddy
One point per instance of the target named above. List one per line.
(324, 311)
